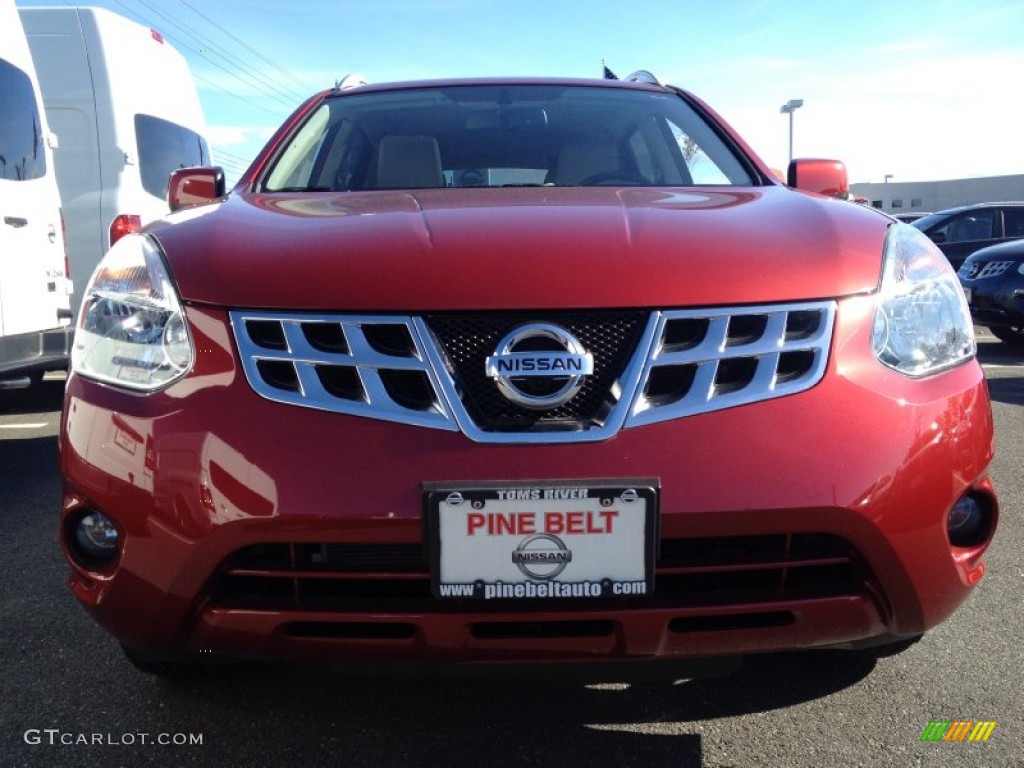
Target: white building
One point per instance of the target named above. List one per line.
(928, 196)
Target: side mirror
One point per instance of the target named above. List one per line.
(195, 186)
(826, 177)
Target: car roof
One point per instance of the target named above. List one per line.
(541, 81)
(976, 206)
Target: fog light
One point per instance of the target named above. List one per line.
(95, 537)
(968, 522)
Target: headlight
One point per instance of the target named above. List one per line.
(131, 330)
(922, 323)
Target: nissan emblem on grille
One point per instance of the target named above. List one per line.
(540, 365)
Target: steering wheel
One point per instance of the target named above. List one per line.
(621, 176)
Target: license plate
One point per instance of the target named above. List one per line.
(542, 541)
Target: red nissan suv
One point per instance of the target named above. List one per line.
(521, 371)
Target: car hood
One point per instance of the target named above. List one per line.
(521, 248)
(1011, 250)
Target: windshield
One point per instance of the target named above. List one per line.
(929, 221)
(503, 136)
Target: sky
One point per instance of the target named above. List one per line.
(917, 90)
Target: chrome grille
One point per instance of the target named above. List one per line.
(362, 366)
(979, 271)
(707, 360)
(430, 371)
(467, 340)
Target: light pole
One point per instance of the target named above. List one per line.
(789, 108)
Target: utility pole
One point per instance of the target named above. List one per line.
(789, 108)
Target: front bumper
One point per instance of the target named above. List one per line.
(812, 520)
(35, 352)
(997, 301)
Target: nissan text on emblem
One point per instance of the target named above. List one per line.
(542, 556)
(540, 365)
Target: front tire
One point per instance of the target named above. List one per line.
(1011, 334)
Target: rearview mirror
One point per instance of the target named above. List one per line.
(826, 177)
(195, 186)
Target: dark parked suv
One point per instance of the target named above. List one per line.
(993, 281)
(959, 232)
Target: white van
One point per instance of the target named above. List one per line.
(125, 105)
(35, 308)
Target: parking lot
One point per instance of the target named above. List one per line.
(68, 698)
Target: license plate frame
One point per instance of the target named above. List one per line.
(542, 541)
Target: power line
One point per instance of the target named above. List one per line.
(185, 46)
(236, 169)
(251, 76)
(233, 168)
(234, 158)
(234, 95)
(254, 51)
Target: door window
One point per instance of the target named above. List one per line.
(22, 152)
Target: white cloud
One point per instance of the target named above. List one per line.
(916, 117)
(226, 135)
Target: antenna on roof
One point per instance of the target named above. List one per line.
(642, 76)
(350, 81)
(608, 74)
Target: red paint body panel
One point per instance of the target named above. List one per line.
(767, 468)
(642, 247)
